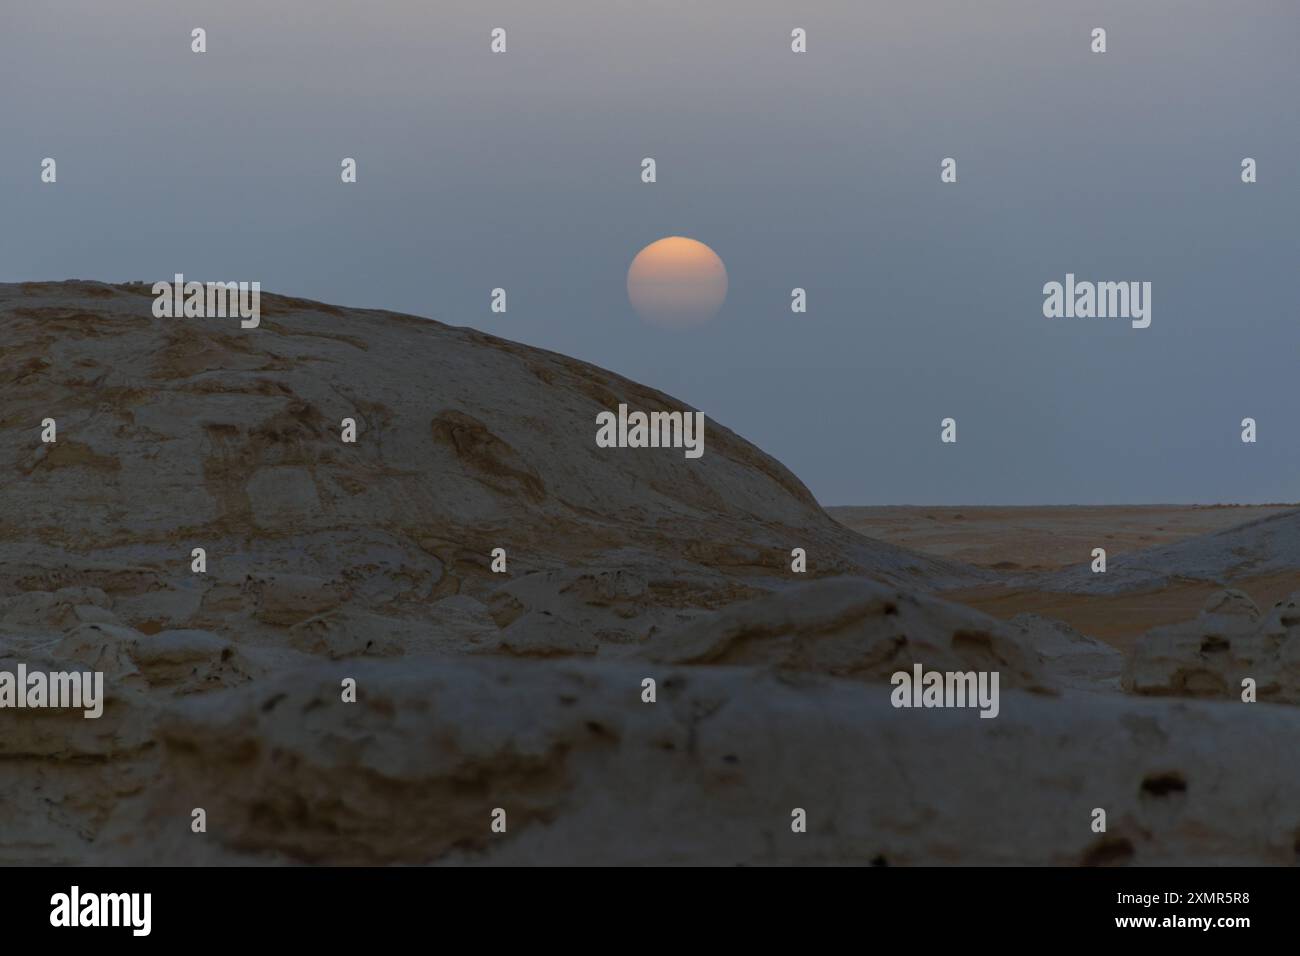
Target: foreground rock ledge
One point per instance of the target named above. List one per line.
(589, 774)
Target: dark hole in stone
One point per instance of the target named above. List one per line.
(1163, 784)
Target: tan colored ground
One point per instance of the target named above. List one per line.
(1042, 538)
(1033, 538)
(1119, 619)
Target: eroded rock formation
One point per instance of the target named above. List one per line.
(370, 562)
(1229, 641)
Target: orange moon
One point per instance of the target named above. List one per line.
(677, 282)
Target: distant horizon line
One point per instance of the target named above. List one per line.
(1160, 504)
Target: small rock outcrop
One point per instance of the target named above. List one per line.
(1229, 641)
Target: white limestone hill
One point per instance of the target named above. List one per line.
(177, 433)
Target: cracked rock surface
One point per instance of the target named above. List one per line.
(329, 562)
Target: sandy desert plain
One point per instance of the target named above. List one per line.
(1049, 538)
(646, 681)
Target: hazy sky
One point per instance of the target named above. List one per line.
(817, 170)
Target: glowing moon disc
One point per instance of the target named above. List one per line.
(677, 282)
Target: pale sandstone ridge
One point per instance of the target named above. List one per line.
(1266, 546)
(1071, 659)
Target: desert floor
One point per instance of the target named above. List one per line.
(1032, 538)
